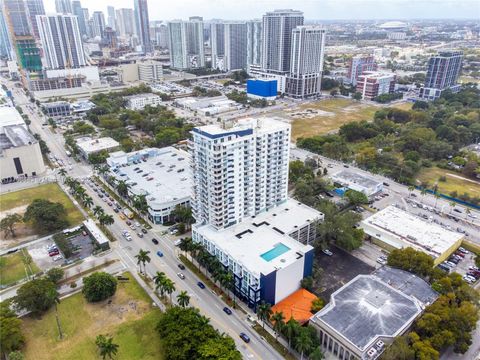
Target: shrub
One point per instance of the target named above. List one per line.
(99, 286)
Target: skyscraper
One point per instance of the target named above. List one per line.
(5, 43)
(277, 39)
(306, 62)
(243, 214)
(442, 73)
(61, 40)
(98, 23)
(217, 44)
(35, 7)
(254, 42)
(77, 10)
(186, 43)
(21, 35)
(235, 46)
(142, 24)
(111, 17)
(125, 22)
(63, 6)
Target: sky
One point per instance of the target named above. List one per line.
(313, 9)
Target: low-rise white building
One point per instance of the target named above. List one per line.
(358, 182)
(395, 228)
(208, 106)
(20, 154)
(88, 146)
(262, 251)
(138, 102)
(163, 175)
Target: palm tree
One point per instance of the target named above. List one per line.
(228, 282)
(279, 321)
(437, 196)
(411, 189)
(102, 170)
(291, 328)
(142, 258)
(264, 312)
(183, 299)
(62, 172)
(452, 205)
(169, 287)
(87, 201)
(158, 278)
(140, 203)
(106, 219)
(423, 192)
(106, 346)
(98, 211)
(57, 318)
(303, 342)
(122, 188)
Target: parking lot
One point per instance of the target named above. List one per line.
(338, 269)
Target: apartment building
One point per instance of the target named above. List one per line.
(372, 84)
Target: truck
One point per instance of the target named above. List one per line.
(128, 213)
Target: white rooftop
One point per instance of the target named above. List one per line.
(168, 178)
(95, 231)
(141, 96)
(247, 241)
(89, 145)
(10, 116)
(257, 124)
(392, 224)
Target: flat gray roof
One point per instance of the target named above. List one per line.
(15, 136)
(351, 177)
(367, 308)
(407, 283)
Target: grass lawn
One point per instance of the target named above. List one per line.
(469, 79)
(453, 183)
(52, 192)
(333, 114)
(12, 268)
(130, 319)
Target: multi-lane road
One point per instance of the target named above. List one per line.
(209, 304)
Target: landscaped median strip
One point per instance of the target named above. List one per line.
(282, 350)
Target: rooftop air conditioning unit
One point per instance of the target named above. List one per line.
(371, 353)
(380, 344)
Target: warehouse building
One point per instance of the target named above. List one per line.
(358, 182)
(394, 228)
(163, 175)
(138, 102)
(369, 312)
(57, 109)
(88, 146)
(262, 88)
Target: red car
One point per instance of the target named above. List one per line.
(53, 253)
(459, 253)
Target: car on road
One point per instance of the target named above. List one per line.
(181, 276)
(201, 285)
(129, 222)
(457, 210)
(227, 311)
(159, 253)
(181, 266)
(144, 231)
(177, 242)
(346, 166)
(245, 337)
(327, 252)
(137, 224)
(122, 217)
(140, 235)
(382, 260)
(386, 184)
(155, 241)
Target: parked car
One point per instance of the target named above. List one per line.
(459, 253)
(327, 252)
(201, 285)
(181, 266)
(465, 251)
(469, 279)
(144, 231)
(181, 276)
(57, 257)
(244, 337)
(159, 253)
(140, 235)
(382, 261)
(155, 241)
(444, 267)
(227, 311)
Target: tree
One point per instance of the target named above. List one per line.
(303, 343)
(10, 329)
(278, 321)
(87, 201)
(62, 172)
(99, 286)
(98, 211)
(106, 346)
(106, 219)
(142, 258)
(307, 283)
(317, 354)
(46, 216)
(36, 296)
(399, 350)
(357, 96)
(122, 188)
(16, 355)
(317, 305)
(409, 259)
(356, 197)
(140, 203)
(55, 274)
(169, 287)
(264, 312)
(292, 327)
(183, 299)
(7, 224)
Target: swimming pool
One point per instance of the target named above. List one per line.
(277, 250)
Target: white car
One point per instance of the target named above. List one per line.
(382, 261)
(57, 257)
(327, 252)
(137, 224)
(463, 250)
(469, 279)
